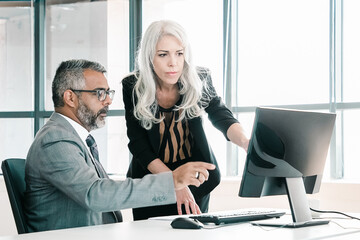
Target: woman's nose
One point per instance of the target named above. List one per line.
(172, 61)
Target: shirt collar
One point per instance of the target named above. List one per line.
(80, 130)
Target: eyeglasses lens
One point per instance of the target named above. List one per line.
(103, 93)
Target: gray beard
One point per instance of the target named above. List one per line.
(89, 119)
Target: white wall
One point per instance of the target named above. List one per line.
(333, 196)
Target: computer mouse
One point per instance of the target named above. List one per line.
(186, 223)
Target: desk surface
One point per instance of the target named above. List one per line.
(161, 229)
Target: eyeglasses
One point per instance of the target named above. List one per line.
(101, 93)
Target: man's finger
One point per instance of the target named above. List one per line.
(203, 172)
(205, 165)
(195, 182)
(201, 178)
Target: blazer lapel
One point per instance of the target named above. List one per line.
(56, 117)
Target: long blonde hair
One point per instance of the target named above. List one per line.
(190, 86)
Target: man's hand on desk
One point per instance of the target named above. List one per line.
(191, 173)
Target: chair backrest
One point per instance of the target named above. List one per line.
(14, 176)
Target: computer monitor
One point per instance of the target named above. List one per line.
(286, 155)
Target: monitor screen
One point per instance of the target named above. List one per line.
(286, 155)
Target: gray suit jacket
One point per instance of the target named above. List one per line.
(63, 189)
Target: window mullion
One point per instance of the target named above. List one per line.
(336, 88)
(39, 63)
(135, 28)
(229, 75)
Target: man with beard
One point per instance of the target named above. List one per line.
(66, 185)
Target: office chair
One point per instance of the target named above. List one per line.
(14, 176)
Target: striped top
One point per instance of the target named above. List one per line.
(175, 137)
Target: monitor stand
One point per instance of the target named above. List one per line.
(299, 206)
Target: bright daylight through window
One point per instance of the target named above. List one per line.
(299, 54)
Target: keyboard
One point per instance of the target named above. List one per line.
(237, 216)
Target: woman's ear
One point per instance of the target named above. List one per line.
(70, 98)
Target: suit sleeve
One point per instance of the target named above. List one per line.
(139, 144)
(63, 165)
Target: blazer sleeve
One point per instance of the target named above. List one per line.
(139, 143)
(63, 165)
(219, 115)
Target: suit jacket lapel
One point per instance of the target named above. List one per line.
(56, 117)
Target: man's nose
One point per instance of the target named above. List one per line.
(108, 100)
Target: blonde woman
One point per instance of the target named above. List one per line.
(165, 99)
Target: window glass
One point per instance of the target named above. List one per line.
(283, 52)
(16, 58)
(351, 144)
(351, 51)
(203, 26)
(96, 31)
(16, 137)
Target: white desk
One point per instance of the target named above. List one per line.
(161, 229)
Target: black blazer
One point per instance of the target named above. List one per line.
(144, 144)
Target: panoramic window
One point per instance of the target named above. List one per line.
(298, 54)
(282, 57)
(351, 87)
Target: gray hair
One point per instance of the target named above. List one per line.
(69, 75)
(145, 89)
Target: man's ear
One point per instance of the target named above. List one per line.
(70, 98)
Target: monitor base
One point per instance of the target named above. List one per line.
(274, 223)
